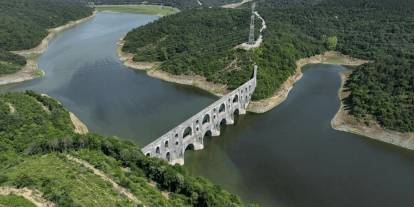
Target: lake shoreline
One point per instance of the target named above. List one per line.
(339, 122)
(80, 127)
(146, 9)
(152, 71)
(219, 90)
(282, 93)
(344, 121)
(31, 69)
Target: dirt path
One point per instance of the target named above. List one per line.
(259, 40)
(33, 196)
(101, 174)
(235, 5)
(11, 107)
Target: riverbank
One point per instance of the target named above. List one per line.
(344, 121)
(80, 127)
(138, 9)
(219, 90)
(31, 69)
(28, 72)
(280, 95)
(153, 71)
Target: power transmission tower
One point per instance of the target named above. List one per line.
(252, 17)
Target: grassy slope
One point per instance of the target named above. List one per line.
(133, 180)
(63, 181)
(35, 136)
(15, 201)
(140, 9)
(180, 4)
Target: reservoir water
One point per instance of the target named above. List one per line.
(289, 156)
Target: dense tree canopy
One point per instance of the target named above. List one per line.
(181, 4)
(195, 42)
(36, 133)
(198, 42)
(24, 23)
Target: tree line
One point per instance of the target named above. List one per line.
(24, 23)
(180, 4)
(198, 42)
(39, 125)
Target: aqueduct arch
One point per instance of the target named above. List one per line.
(206, 119)
(222, 108)
(187, 132)
(191, 133)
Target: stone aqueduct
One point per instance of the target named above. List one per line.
(191, 133)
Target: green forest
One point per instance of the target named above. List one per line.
(24, 23)
(36, 136)
(180, 4)
(202, 42)
(195, 42)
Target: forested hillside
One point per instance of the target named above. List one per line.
(380, 31)
(38, 150)
(24, 23)
(181, 4)
(196, 42)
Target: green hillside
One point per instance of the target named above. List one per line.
(198, 42)
(36, 146)
(15, 201)
(24, 23)
(180, 4)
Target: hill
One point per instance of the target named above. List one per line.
(40, 151)
(24, 23)
(180, 4)
(196, 42)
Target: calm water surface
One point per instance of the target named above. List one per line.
(287, 157)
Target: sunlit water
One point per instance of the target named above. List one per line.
(287, 157)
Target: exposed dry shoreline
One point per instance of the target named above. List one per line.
(261, 106)
(31, 70)
(151, 70)
(80, 127)
(343, 121)
(280, 95)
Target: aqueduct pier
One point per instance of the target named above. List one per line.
(191, 133)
